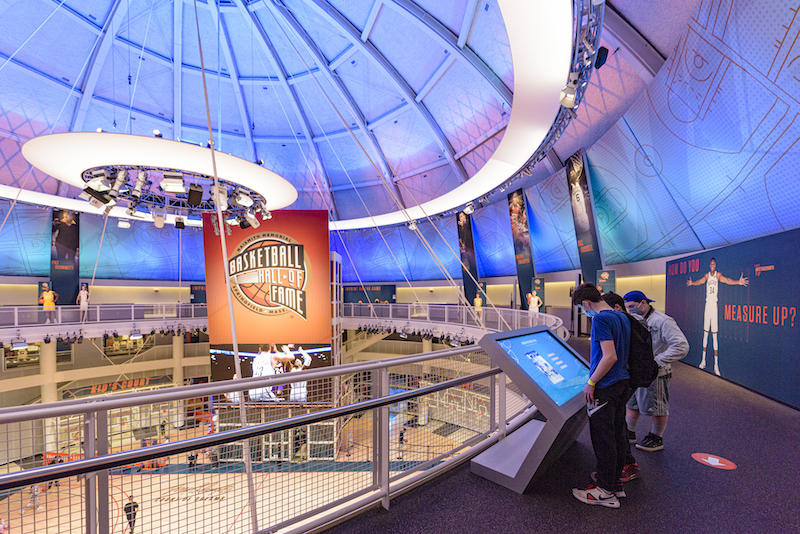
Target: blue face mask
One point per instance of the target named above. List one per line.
(589, 313)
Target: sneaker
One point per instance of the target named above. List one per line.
(594, 495)
(619, 491)
(629, 472)
(631, 436)
(651, 443)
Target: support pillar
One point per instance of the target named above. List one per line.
(427, 345)
(177, 360)
(49, 392)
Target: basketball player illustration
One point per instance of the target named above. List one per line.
(711, 315)
(268, 364)
(577, 195)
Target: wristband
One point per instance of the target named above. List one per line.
(592, 383)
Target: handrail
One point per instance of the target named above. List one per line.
(121, 400)
(110, 461)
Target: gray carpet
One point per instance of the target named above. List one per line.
(676, 494)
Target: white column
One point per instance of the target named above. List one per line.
(49, 392)
(177, 360)
(427, 345)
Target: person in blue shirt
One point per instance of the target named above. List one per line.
(606, 393)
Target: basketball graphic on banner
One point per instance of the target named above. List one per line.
(269, 274)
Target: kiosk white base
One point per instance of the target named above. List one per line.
(530, 450)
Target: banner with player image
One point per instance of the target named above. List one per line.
(607, 281)
(521, 234)
(271, 360)
(280, 281)
(469, 271)
(737, 306)
(64, 255)
(583, 215)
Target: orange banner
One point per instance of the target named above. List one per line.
(279, 279)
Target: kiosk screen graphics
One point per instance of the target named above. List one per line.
(546, 361)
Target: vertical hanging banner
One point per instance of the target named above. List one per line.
(738, 307)
(583, 216)
(279, 274)
(64, 256)
(520, 232)
(607, 281)
(467, 248)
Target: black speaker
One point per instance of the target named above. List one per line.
(602, 56)
(195, 195)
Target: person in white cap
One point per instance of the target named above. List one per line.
(669, 345)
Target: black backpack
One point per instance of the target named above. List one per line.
(642, 365)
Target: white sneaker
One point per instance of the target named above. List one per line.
(595, 495)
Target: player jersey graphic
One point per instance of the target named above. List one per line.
(544, 367)
(711, 287)
(579, 208)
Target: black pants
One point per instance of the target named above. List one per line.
(607, 428)
(131, 521)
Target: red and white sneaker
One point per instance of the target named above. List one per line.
(596, 495)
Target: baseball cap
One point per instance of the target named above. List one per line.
(636, 296)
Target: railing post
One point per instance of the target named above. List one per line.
(16, 316)
(133, 312)
(380, 388)
(103, 515)
(501, 405)
(90, 481)
(492, 403)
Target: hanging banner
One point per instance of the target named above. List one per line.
(470, 265)
(280, 281)
(198, 294)
(64, 271)
(607, 281)
(535, 298)
(737, 306)
(520, 232)
(583, 216)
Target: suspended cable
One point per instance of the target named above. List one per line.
(8, 60)
(138, 67)
(224, 256)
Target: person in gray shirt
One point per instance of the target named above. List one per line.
(669, 345)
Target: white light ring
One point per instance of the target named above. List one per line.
(65, 156)
(540, 38)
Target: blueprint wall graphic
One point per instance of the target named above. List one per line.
(25, 240)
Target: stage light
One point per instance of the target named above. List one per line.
(80, 338)
(141, 179)
(195, 197)
(157, 133)
(136, 335)
(173, 183)
(115, 334)
(122, 177)
(123, 223)
(19, 344)
(568, 93)
(222, 193)
(266, 214)
(96, 198)
(403, 335)
(153, 332)
(412, 225)
(159, 216)
(205, 328)
(251, 218)
(242, 199)
(47, 339)
(179, 223)
(105, 336)
(469, 208)
(99, 130)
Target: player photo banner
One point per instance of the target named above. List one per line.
(520, 232)
(607, 281)
(467, 248)
(583, 216)
(738, 307)
(64, 271)
(279, 279)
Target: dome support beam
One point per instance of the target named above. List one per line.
(269, 50)
(336, 82)
(354, 36)
(233, 71)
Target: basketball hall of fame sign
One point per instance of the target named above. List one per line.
(269, 274)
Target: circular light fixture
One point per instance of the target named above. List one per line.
(102, 163)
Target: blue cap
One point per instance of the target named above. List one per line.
(636, 296)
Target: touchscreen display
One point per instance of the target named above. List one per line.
(550, 364)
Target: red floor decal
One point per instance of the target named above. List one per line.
(713, 461)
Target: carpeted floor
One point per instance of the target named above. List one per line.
(676, 494)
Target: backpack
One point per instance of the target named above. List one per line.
(642, 365)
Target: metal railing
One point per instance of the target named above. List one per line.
(364, 433)
(22, 316)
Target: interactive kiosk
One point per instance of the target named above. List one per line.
(552, 376)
